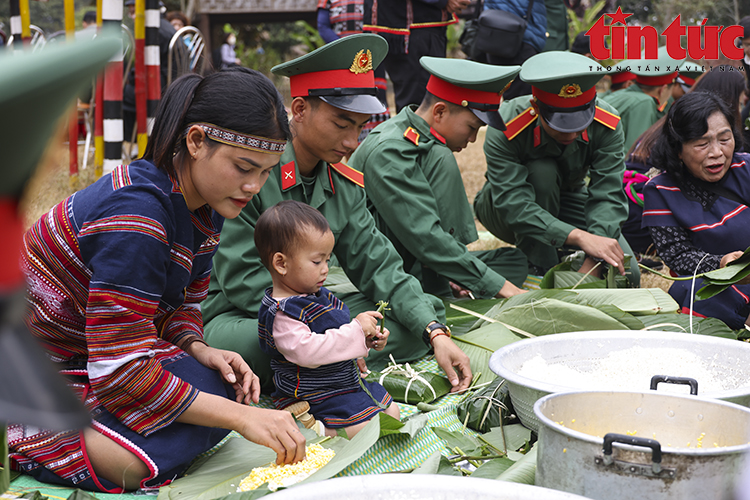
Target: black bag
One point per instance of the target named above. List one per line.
(500, 33)
(468, 37)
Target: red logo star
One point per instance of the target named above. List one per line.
(619, 17)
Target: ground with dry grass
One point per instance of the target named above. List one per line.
(52, 184)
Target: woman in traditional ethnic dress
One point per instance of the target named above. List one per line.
(697, 210)
(116, 274)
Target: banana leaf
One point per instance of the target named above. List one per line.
(570, 279)
(523, 471)
(508, 438)
(553, 316)
(458, 442)
(493, 468)
(480, 344)
(219, 475)
(437, 464)
(626, 319)
(638, 301)
(461, 322)
(488, 408)
(406, 385)
(678, 322)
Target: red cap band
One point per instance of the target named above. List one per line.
(300, 85)
(456, 95)
(655, 81)
(11, 226)
(571, 101)
(622, 77)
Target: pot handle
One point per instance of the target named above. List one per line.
(635, 441)
(675, 380)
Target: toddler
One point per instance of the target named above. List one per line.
(307, 331)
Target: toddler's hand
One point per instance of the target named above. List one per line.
(378, 341)
(369, 322)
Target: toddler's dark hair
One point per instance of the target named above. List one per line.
(279, 228)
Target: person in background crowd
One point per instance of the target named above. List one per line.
(328, 113)
(686, 78)
(537, 195)
(228, 53)
(131, 336)
(412, 28)
(534, 38)
(339, 18)
(695, 209)
(410, 169)
(178, 20)
(640, 105)
(89, 26)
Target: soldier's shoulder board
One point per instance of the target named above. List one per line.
(350, 173)
(519, 123)
(606, 118)
(412, 136)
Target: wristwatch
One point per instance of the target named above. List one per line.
(431, 328)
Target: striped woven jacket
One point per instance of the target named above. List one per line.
(116, 273)
(320, 312)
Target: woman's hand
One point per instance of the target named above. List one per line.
(233, 369)
(730, 257)
(277, 430)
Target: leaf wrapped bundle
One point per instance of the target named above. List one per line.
(409, 386)
(488, 408)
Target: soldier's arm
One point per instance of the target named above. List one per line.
(404, 199)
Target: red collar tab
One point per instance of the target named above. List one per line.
(570, 96)
(437, 135)
(537, 136)
(585, 135)
(350, 173)
(655, 81)
(301, 85)
(606, 118)
(412, 136)
(519, 123)
(622, 77)
(288, 176)
(477, 99)
(11, 226)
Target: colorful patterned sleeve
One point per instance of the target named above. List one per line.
(129, 255)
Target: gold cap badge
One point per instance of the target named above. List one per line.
(570, 90)
(362, 62)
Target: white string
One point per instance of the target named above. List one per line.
(408, 372)
(692, 290)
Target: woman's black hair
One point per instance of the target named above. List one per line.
(239, 99)
(728, 83)
(688, 120)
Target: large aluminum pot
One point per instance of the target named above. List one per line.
(418, 487)
(678, 447)
(724, 358)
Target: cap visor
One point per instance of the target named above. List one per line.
(491, 118)
(568, 121)
(367, 104)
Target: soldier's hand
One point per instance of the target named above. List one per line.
(457, 5)
(607, 249)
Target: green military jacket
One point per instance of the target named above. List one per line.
(637, 109)
(597, 154)
(417, 197)
(239, 279)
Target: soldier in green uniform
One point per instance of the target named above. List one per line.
(414, 187)
(686, 78)
(536, 194)
(334, 95)
(644, 102)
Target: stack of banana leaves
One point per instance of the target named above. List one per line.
(472, 434)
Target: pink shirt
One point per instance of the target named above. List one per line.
(303, 347)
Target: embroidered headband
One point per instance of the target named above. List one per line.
(251, 142)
